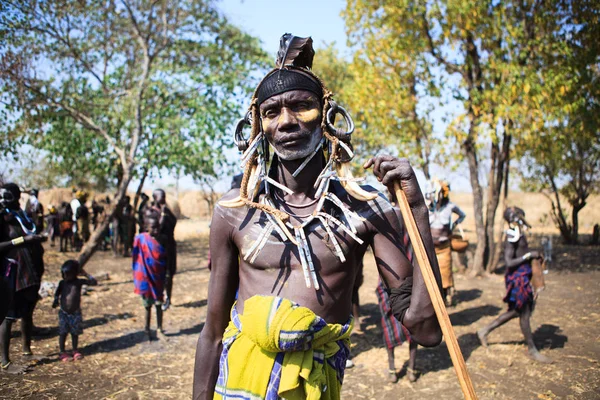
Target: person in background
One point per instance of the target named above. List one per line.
(167, 224)
(519, 293)
(23, 267)
(68, 298)
(35, 210)
(441, 223)
(150, 270)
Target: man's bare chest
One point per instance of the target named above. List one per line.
(329, 242)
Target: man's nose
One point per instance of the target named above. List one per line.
(287, 118)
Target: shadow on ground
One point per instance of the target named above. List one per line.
(52, 331)
(471, 315)
(545, 337)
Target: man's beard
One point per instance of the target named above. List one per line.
(289, 155)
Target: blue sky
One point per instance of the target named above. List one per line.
(270, 19)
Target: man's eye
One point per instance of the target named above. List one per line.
(303, 106)
(269, 114)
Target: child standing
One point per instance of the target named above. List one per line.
(68, 297)
(150, 270)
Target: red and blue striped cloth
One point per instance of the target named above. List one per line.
(149, 267)
(518, 287)
(394, 333)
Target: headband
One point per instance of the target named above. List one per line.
(285, 80)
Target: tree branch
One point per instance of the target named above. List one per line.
(80, 117)
(451, 67)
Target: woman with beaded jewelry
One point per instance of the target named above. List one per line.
(291, 240)
(21, 257)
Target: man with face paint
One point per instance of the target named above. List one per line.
(290, 241)
(21, 257)
(519, 293)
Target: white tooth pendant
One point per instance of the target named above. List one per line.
(260, 242)
(302, 257)
(338, 250)
(311, 266)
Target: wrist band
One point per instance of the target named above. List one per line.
(18, 240)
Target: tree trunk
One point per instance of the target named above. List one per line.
(498, 250)
(471, 154)
(500, 157)
(575, 222)
(557, 211)
(97, 236)
(140, 188)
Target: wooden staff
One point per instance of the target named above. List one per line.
(436, 298)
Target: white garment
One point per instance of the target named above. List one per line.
(75, 204)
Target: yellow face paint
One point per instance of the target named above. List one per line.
(308, 116)
(265, 123)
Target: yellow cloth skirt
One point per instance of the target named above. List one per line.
(279, 349)
(444, 257)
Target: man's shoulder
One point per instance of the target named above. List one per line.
(366, 209)
(222, 210)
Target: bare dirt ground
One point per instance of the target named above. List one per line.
(120, 364)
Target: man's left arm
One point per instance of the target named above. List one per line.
(393, 264)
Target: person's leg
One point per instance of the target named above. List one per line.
(147, 328)
(411, 372)
(31, 299)
(5, 363)
(26, 332)
(524, 319)
(501, 320)
(62, 338)
(392, 375)
(75, 342)
(5, 329)
(159, 317)
(168, 290)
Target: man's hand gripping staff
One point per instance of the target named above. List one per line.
(399, 177)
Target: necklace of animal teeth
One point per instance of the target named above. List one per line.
(322, 193)
(295, 205)
(303, 245)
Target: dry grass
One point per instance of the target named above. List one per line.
(537, 210)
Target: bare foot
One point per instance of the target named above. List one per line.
(392, 376)
(411, 374)
(14, 369)
(482, 335)
(536, 356)
(160, 334)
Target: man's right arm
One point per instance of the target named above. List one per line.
(224, 281)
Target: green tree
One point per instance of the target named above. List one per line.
(487, 55)
(562, 155)
(119, 87)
